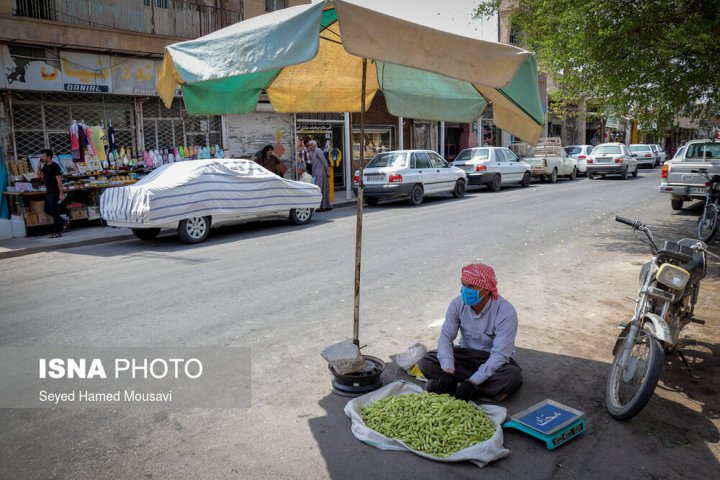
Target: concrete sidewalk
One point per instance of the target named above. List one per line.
(93, 235)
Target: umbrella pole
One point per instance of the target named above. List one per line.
(358, 231)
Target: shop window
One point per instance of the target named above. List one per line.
(272, 5)
(376, 141)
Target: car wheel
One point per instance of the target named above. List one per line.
(495, 184)
(301, 216)
(146, 233)
(416, 195)
(553, 176)
(676, 204)
(591, 176)
(194, 230)
(372, 201)
(635, 172)
(459, 190)
(526, 179)
(573, 175)
(624, 174)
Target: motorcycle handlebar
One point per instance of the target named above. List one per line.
(635, 224)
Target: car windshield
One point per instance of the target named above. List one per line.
(703, 150)
(392, 159)
(607, 150)
(639, 148)
(572, 150)
(473, 154)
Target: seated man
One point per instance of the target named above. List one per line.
(483, 363)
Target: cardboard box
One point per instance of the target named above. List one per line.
(44, 219)
(31, 219)
(78, 213)
(93, 213)
(37, 206)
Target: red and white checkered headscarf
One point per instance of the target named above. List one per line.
(480, 275)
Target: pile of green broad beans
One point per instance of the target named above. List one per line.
(439, 425)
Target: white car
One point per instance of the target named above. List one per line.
(493, 166)
(194, 195)
(660, 153)
(410, 174)
(579, 153)
(611, 158)
(644, 154)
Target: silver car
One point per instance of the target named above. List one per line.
(494, 167)
(579, 153)
(645, 155)
(659, 153)
(611, 158)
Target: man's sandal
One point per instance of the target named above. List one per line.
(55, 235)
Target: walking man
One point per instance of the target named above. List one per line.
(54, 192)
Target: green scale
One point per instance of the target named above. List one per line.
(549, 421)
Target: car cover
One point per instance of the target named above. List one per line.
(197, 188)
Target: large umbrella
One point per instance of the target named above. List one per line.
(314, 58)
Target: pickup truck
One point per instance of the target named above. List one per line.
(681, 176)
(548, 161)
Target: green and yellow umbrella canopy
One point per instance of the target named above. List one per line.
(309, 59)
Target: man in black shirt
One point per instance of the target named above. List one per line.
(54, 192)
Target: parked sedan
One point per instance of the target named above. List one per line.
(645, 155)
(579, 153)
(410, 174)
(611, 158)
(493, 166)
(194, 195)
(659, 153)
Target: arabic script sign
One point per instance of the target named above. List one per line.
(86, 72)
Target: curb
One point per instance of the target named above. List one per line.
(62, 246)
(98, 241)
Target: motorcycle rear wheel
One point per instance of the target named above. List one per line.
(707, 225)
(628, 390)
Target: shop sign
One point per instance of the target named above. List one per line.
(133, 76)
(86, 72)
(23, 73)
(313, 127)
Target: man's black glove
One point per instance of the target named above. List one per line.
(446, 384)
(465, 392)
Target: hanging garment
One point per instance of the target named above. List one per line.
(97, 141)
(111, 138)
(90, 146)
(83, 141)
(75, 142)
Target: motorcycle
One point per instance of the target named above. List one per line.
(707, 225)
(669, 289)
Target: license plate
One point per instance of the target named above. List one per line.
(603, 160)
(469, 168)
(374, 178)
(696, 190)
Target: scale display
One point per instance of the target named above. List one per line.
(549, 421)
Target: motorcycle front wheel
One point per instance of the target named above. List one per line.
(630, 388)
(707, 225)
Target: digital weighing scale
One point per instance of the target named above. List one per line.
(549, 421)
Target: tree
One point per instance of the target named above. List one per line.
(648, 59)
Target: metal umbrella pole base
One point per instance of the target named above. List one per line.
(359, 383)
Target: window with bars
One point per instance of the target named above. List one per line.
(167, 128)
(42, 120)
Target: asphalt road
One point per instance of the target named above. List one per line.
(287, 292)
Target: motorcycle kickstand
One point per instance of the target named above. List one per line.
(684, 360)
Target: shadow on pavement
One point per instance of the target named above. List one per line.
(666, 440)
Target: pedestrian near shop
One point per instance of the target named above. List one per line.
(269, 160)
(54, 191)
(302, 175)
(482, 365)
(320, 170)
